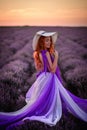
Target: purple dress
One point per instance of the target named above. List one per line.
(44, 101)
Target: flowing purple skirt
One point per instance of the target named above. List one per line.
(44, 103)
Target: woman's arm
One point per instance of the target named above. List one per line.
(52, 65)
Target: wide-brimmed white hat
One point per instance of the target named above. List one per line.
(44, 33)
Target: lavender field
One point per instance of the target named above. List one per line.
(17, 71)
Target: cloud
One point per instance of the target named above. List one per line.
(31, 12)
(72, 13)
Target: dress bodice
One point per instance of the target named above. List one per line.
(46, 64)
(45, 61)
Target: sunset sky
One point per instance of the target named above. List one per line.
(43, 12)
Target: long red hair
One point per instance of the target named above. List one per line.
(41, 46)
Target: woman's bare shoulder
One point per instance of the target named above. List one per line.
(40, 55)
(34, 54)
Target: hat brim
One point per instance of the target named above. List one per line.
(54, 36)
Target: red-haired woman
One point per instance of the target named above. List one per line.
(47, 94)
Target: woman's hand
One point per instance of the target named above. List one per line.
(56, 54)
(52, 65)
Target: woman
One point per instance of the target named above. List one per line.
(47, 94)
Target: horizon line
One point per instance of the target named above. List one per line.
(43, 25)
